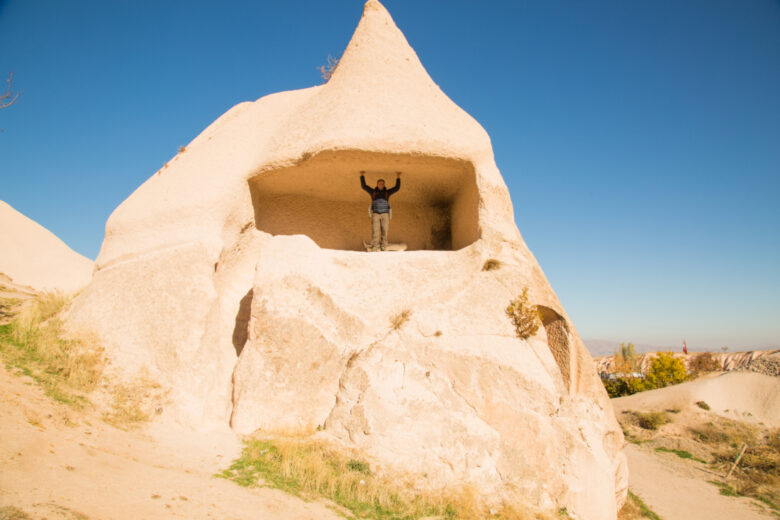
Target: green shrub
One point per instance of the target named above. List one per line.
(665, 370)
(702, 405)
(652, 420)
(621, 386)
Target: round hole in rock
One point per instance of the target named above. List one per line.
(320, 197)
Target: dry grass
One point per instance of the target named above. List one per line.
(652, 420)
(9, 307)
(329, 68)
(312, 468)
(13, 513)
(134, 402)
(636, 509)
(645, 420)
(524, 316)
(703, 363)
(70, 369)
(725, 432)
(491, 264)
(398, 321)
(758, 473)
(34, 343)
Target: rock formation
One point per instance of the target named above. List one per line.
(761, 361)
(33, 256)
(236, 276)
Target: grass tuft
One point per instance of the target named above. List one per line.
(400, 319)
(681, 453)
(491, 264)
(652, 420)
(133, 402)
(702, 405)
(13, 513)
(35, 343)
(636, 509)
(312, 468)
(524, 316)
(328, 69)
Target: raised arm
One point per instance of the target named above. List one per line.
(397, 185)
(364, 185)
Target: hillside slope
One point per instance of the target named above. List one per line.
(33, 256)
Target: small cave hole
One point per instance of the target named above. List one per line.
(241, 329)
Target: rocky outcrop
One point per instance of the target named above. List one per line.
(236, 275)
(761, 361)
(32, 256)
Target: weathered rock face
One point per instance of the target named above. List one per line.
(33, 256)
(235, 276)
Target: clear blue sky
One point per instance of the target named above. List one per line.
(640, 140)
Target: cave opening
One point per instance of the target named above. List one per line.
(320, 197)
(558, 339)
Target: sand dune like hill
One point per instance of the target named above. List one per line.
(33, 256)
(746, 396)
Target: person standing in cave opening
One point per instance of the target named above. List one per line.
(380, 209)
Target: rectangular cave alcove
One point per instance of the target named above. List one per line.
(320, 197)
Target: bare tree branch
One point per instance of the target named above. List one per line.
(9, 98)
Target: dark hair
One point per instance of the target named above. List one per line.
(380, 180)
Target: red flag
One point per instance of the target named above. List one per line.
(685, 348)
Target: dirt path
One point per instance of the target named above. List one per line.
(677, 489)
(59, 464)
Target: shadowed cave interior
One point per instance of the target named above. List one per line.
(320, 197)
(558, 340)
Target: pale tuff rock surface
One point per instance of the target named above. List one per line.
(235, 276)
(33, 256)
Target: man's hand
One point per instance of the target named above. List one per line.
(362, 173)
(397, 175)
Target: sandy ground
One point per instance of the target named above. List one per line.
(678, 489)
(58, 464)
(742, 396)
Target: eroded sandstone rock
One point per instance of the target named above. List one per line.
(235, 275)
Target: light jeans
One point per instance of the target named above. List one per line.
(380, 224)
